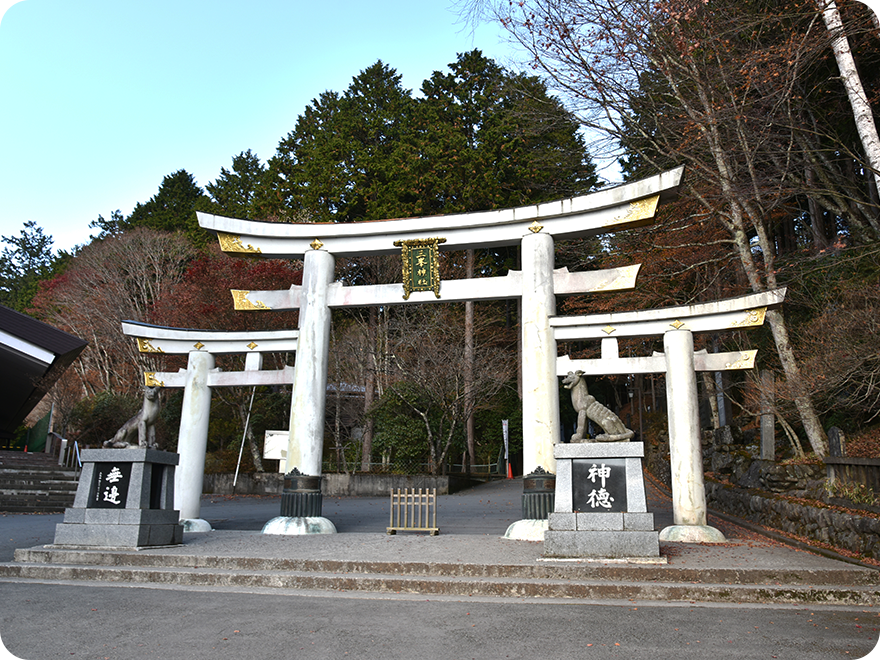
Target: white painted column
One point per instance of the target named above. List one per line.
(192, 440)
(685, 452)
(540, 387)
(306, 443)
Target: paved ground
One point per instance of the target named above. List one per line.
(133, 622)
(471, 522)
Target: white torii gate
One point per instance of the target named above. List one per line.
(199, 377)
(534, 228)
(680, 364)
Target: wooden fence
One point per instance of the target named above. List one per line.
(414, 510)
(855, 471)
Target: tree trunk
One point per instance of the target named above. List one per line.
(864, 118)
(711, 396)
(808, 415)
(817, 216)
(255, 450)
(809, 418)
(370, 390)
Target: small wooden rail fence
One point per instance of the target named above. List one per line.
(413, 510)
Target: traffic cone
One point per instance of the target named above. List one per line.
(509, 471)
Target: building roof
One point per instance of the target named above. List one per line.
(33, 355)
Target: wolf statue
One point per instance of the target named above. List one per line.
(587, 407)
(142, 426)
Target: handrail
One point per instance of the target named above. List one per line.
(68, 454)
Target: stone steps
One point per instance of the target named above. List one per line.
(547, 580)
(32, 484)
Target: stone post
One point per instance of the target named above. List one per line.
(768, 418)
(306, 443)
(685, 453)
(192, 441)
(540, 387)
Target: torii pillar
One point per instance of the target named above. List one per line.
(310, 370)
(540, 392)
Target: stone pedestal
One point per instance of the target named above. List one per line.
(600, 510)
(125, 499)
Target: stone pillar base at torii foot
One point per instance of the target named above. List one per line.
(526, 530)
(196, 525)
(287, 526)
(692, 534)
(601, 509)
(539, 489)
(301, 504)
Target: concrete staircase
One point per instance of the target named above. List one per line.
(661, 583)
(34, 483)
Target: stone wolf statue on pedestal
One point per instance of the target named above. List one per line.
(142, 426)
(587, 407)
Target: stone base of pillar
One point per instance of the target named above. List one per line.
(692, 534)
(302, 505)
(298, 526)
(301, 497)
(537, 506)
(196, 525)
(539, 494)
(526, 530)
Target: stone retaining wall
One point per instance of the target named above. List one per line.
(859, 534)
(334, 485)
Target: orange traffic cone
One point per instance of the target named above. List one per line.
(509, 471)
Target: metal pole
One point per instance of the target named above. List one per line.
(243, 436)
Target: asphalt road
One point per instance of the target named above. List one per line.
(43, 622)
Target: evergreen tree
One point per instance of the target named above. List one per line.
(492, 139)
(173, 208)
(234, 191)
(23, 264)
(341, 163)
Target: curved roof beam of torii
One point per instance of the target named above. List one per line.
(610, 209)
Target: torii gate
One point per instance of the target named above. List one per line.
(199, 377)
(680, 364)
(532, 227)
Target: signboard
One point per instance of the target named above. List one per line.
(421, 265)
(598, 485)
(109, 488)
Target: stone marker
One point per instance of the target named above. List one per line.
(836, 442)
(601, 509)
(124, 500)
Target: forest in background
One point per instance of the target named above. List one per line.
(779, 191)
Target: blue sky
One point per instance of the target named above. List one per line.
(103, 98)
